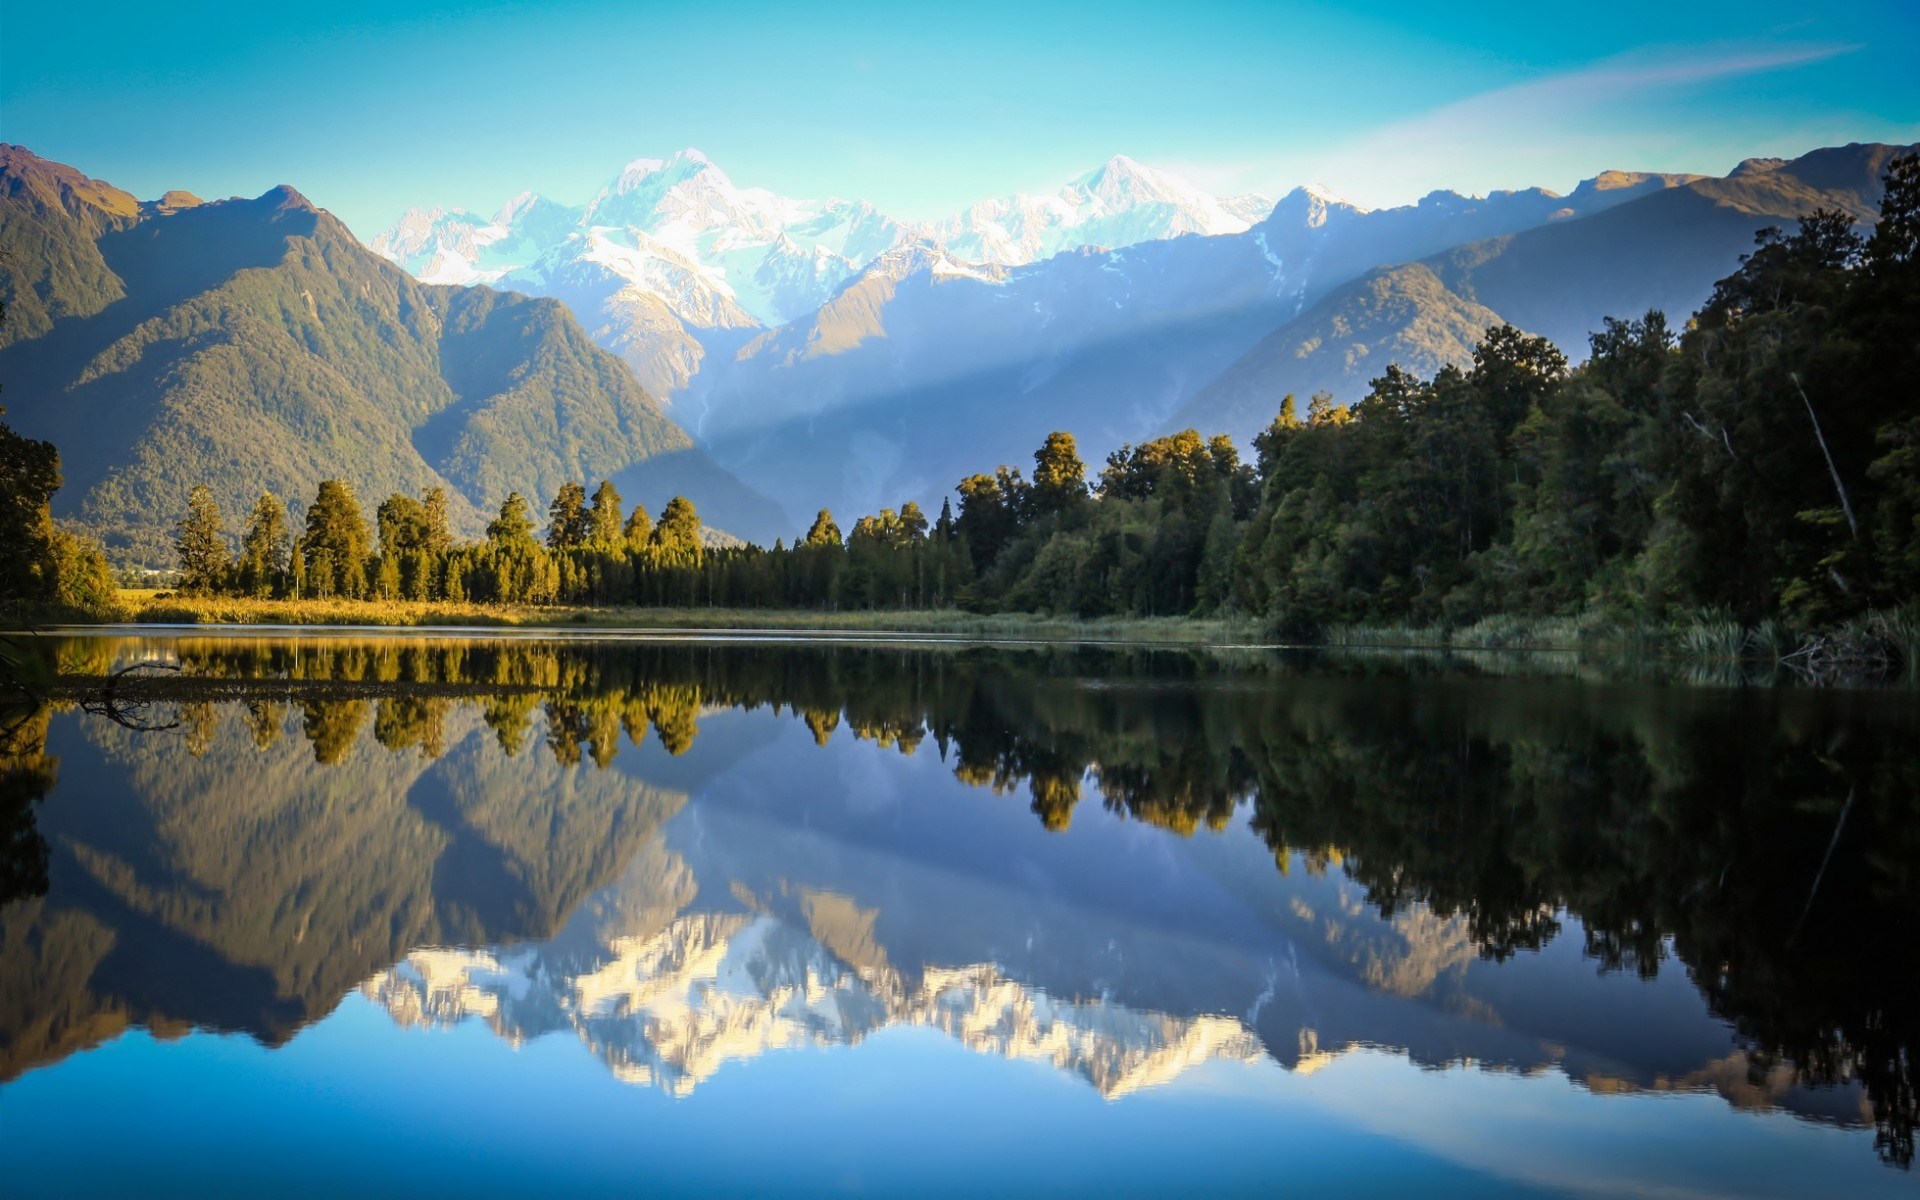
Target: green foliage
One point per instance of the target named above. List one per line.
(264, 549)
(200, 541)
(678, 532)
(823, 532)
(256, 345)
(1761, 465)
(568, 524)
(29, 476)
(334, 551)
(513, 528)
(44, 570)
(83, 584)
(638, 530)
(604, 530)
(1059, 477)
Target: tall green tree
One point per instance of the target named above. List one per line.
(264, 549)
(402, 524)
(201, 543)
(677, 536)
(638, 530)
(568, 525)
(1059, 477)
(436, 538)
(823, 532)
(335, 548)
(992, 510)
(603, 518)
(29, 476)
(513, 527)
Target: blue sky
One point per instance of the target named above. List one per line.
(371, 108)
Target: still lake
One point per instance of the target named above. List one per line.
(705, 916)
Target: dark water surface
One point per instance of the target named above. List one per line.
(423, 916)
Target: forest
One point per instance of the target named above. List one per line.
(1758, 467)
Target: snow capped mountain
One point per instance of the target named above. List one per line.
(718, 256)
(436, 245)
(1120, 203)
(679, 229)
(670, 1009)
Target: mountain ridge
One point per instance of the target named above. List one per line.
(257, 345)
(1662, 249)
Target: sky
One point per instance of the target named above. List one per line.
(370, 109)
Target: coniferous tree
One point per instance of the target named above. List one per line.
(337, 543)
(568, 525)
(638, 530)
(603, 518)
(513, 528)
(436, 537)
(678, 533)
(264, 548)
(402, 524)
(1059, 477)
(823, 532)
(201, 544)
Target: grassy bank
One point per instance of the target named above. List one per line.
(147, 607)
(1879, 644)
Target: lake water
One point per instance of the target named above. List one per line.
(432, 915)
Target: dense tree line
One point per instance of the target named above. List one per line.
(1763, 462)
(591, 551)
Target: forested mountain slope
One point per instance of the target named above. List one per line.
(1661, 250)
(256, 345)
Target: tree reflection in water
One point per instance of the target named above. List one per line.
(1762, 841)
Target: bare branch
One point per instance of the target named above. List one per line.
(1846, 506)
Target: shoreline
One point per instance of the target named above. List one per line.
(1878, 647)
(145, 612)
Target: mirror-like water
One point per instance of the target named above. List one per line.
(707, 917)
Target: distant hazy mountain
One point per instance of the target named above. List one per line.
(835, 357)
(671, 259)
(255, 344)
(1119, 204)
(1663, 248)
(927, 367)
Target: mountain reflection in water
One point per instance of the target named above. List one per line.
(1118, 863)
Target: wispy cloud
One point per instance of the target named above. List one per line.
(1575, 120)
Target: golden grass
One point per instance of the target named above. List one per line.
(150, 607)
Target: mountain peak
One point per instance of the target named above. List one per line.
(684, 163)
(176, 200)
(1121, 164)
(517, 206)
(1123, 176)
(287, 198)
(58, 184)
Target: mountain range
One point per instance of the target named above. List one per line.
(769, 356)
(673, 912)
(1130, 303)
(256, 345)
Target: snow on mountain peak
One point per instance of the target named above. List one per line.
(520, 204)
(681, 165)
(681, 224)
(669, 1008)
(1120, 203)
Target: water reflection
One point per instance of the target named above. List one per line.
(687, 854)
